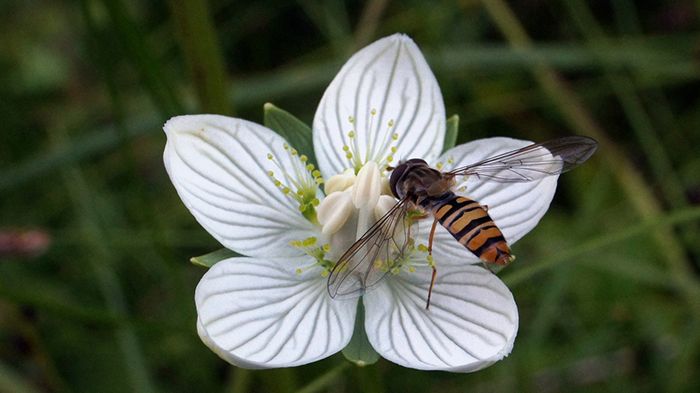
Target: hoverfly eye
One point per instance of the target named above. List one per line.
(414, 161)
(397, 174)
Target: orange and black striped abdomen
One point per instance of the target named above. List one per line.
(472, 226)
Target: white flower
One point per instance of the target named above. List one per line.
(248, 189)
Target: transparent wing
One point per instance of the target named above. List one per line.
(534, 161)
(372, 256)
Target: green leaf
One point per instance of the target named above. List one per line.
(208, 260)
(451, 133)
(295, 131)
(359, 350)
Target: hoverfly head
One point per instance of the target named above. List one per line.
(400, 171)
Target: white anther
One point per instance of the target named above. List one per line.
(334, 211)
(384, 204)
(340, 182)
(386, 187)
(368, 186)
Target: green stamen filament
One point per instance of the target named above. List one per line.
(309, 247)
(380, 145)
(300, 183)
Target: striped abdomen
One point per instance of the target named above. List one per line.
(472, 226)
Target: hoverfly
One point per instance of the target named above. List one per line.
(418, 187)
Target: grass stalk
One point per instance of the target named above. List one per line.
(101, 261)
(200, 46)
(579, 118)
(606, 240)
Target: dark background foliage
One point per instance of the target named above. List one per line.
(96, 292)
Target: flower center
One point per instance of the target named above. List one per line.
(354, 203)
(355, 200)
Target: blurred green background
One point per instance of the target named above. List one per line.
(96, 291)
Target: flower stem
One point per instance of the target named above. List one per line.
(325, 380)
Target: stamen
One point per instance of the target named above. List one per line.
(369, 148)
(362, 195)
(334, 212)
(301, 185)
(380, 145)
(309, 247)
(355, 159)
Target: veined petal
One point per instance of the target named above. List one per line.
(262, 313)
(386, 88)
(471, 323)
(515, 207)
(219, 166)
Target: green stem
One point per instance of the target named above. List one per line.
(239, 381)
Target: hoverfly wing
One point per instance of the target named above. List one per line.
(371, 257)
(534, 161)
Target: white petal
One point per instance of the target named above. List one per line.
(259, 313)
(471, 323)
(219, 167)
(516, 208)
(391, 76)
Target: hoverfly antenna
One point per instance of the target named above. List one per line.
(391, 168)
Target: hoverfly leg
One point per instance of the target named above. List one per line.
(430, 253)
(430, 238)
(430, 291)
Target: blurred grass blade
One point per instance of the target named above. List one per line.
(576, 113)
(451, 133)
(203, 54)
(67, 153)
(102, 261)
(138, 51)
(359, 350)
(606, 240)
(308, 77)
(323, 382)
(641, 123)
(210, 259)
(292, 129)
(331, 19)
(11, 381)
